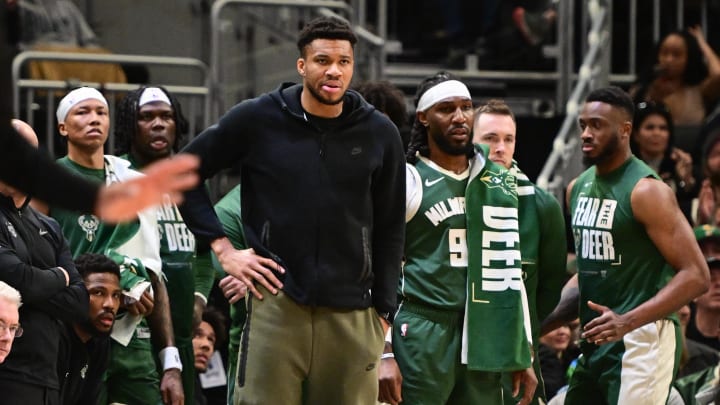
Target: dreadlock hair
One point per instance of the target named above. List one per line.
(325, 28)
(126, 121)
(418, 133)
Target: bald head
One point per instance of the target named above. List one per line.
(26, 132)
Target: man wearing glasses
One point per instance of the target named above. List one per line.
(36, 261)
(9, 318)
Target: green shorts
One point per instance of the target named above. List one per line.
(637, 370)
(427, 344)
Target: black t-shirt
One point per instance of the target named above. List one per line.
(693, 333)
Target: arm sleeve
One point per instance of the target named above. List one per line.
(32, 171)
(389, 202)
(35, 284)
(218, 147)
(552, 260)
(72, 302)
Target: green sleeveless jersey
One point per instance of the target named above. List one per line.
(435, 268)
(619, 266)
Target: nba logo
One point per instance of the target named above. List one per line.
(403, 329)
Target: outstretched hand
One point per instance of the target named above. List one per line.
(606, 328)
(122, 201)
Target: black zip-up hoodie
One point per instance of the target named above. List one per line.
(326, 201)
(32, 248)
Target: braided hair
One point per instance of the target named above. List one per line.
(418, 133)
(126, 126)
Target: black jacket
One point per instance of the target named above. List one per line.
(324, 198)
(31, 248)
(81, 366)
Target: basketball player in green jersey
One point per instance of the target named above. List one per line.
(150, 126)
(132, 377)
(542, 226)
(427, 331)
(638, 263)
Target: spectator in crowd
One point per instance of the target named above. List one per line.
(686, 78)
(85, 345)
(542, 225)
(150, 126)
(389, 100)
(132, 376)
(557, 350)
(35, 260)
(707, 203)
(705, 310)
(637, 259)
(10, 328)
(695, 356)
(228, 211)
(446, 306)
(323, 264)
(653, 141)
(208, 337)
(53, 22)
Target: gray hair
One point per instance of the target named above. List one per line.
(10, 294)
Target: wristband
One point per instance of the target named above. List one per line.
(201, 296)
(170, 358)
(390, 355)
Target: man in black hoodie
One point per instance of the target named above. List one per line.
(35, 260)
(323, 185)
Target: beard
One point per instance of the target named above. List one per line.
(451, 149)
(88, 326)
(324, 100)
(605, 153)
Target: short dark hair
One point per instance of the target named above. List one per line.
(325, 28)
(494, 106)
(89, 263)
(217, 321)
(615, 96)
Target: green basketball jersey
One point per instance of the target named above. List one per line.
(435, 268)
(84, 231)
(619, 266)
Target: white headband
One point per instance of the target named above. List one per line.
(442, 91)
(74, 97)
(153, 94)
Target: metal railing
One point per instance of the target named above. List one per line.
(563, 164)
(371, 54)
(195, 110)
